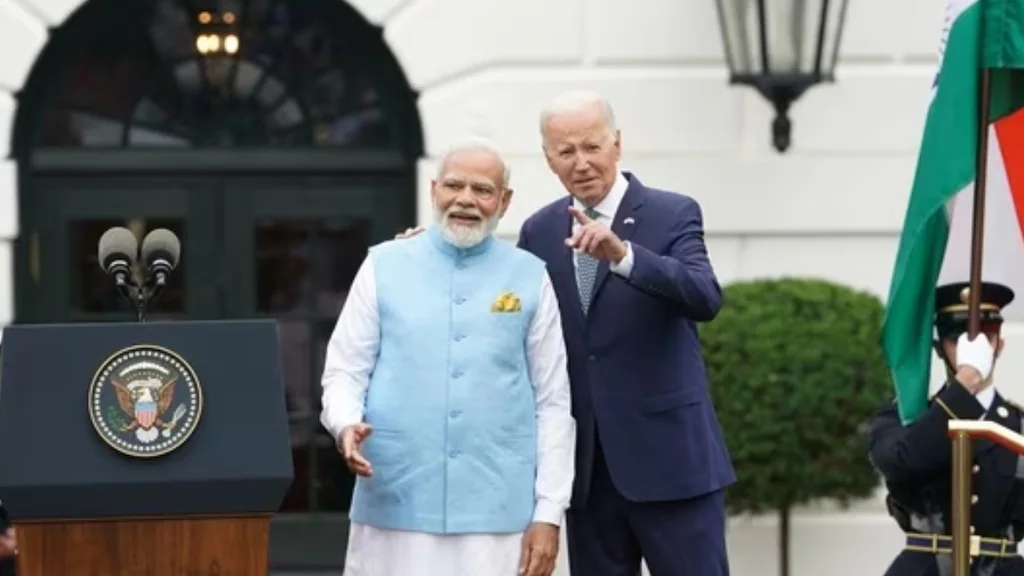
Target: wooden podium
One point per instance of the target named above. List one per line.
(202, 546)
(85, 497)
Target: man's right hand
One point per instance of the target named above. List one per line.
(974, 361)
(349, 444)
(8, 543)
(409, 233)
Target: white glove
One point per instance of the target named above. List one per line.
(977, 354)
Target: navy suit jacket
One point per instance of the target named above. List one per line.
(635, 362)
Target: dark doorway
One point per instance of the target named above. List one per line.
(278, 163)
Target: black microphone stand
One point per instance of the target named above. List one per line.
(141, 303)
(140, 295)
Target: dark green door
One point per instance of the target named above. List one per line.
(303, 241)
(283, 248)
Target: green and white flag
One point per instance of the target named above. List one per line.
(936, 240)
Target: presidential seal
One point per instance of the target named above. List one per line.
(145, 401)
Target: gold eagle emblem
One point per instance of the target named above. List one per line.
(145, 402)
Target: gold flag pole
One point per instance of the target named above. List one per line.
(962, 457)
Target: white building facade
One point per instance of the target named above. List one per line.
(831, 207)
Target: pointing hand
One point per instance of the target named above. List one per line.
(595, 239)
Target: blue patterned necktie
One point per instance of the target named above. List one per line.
(586, 269)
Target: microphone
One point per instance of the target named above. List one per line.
(117, 252)
(160, 252)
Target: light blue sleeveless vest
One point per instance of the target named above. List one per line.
(450, 400)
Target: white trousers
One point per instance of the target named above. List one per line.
(377, 552)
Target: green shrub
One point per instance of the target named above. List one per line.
(796, 372)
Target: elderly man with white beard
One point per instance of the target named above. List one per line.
(446, 387)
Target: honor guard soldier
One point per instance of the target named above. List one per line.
(916, 459)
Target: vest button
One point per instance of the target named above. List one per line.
(457, 374)
(459, 337)
(453, 454)
(459, 299)
(454, 413)
(592, 358)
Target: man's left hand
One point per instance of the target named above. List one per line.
(540, 549)
(595, 239)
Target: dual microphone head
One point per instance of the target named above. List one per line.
(119, 252)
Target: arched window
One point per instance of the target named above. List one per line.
(216, 73)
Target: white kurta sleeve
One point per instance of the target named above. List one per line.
(623, 267)
(556, 429)
(351, 354)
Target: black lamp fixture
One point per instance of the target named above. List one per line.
(781, 48)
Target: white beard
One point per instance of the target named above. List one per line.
(461, 235)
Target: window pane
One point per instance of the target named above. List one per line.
(340, 248)
(282, 265)
(67, 128)
(307, 266)
(173, 80)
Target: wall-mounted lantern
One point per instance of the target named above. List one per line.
(781, 48)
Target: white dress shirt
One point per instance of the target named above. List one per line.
(351, 356)
(986, 397)
(606, 210)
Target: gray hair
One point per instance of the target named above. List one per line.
(574, 101)
(476, 144)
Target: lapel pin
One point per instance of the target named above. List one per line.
(1003, 412)
(628, 221)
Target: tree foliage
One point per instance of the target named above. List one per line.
(796, 372)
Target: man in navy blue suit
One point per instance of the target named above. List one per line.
(633, 279)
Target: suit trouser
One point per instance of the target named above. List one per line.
(609, 535)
